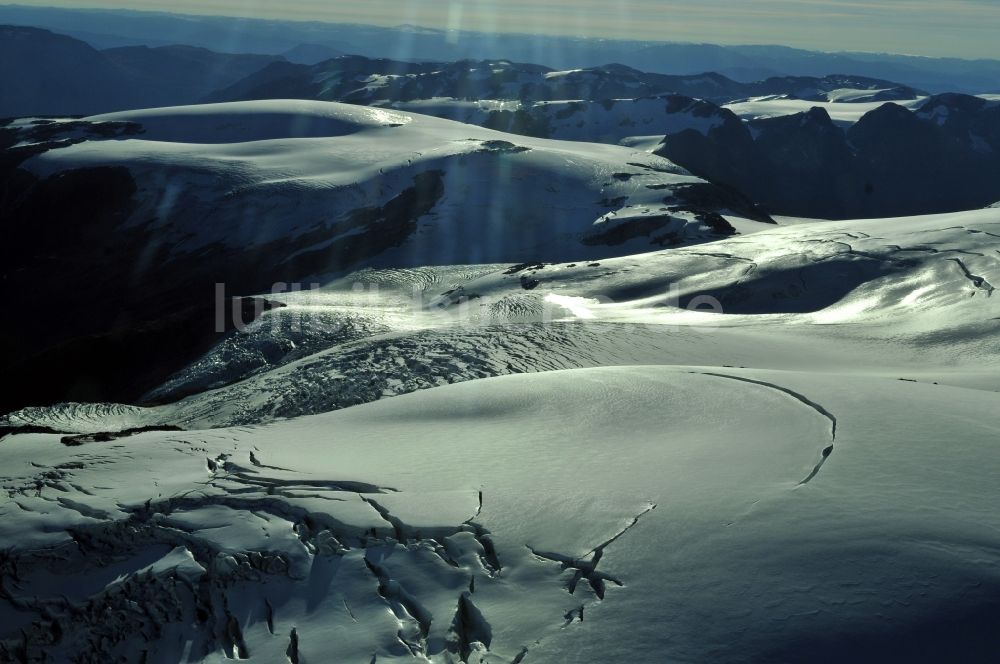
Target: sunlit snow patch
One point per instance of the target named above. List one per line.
(578, 306)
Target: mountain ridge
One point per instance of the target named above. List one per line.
(748, 61)
(47, 73)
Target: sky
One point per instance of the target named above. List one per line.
(961, 28)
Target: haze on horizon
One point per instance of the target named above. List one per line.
(957, 28)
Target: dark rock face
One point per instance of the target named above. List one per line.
(106, 313)
(519, 122)
(946, 156)
(811, 163)
(108, 436)
(704, 201)
(622, 233)
(374, 230)
(893, 162)
(709, 199)
(726, 152)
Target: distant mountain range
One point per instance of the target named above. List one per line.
(361, 80)
(43, 73)
(109, 28)
(49, 74)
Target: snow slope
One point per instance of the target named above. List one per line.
(615, 514)
(801, 297)
(320, 168)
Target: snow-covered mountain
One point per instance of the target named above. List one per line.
(942, 155)
(872, 158)
(927, 155)
(362, 80)
(639, 122)
(551, 198)
(46, 73)
(250, 194)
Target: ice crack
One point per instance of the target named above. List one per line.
(801, 398)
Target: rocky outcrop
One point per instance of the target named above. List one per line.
(893, 162)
